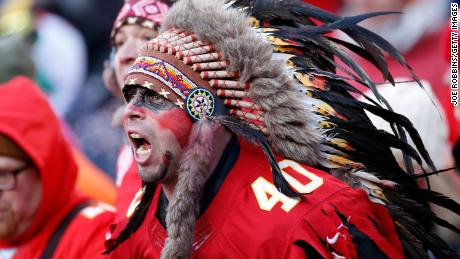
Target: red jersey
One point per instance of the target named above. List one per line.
(250, 218)
(128, 181)
(83, 237)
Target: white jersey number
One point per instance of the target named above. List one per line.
(268, 196)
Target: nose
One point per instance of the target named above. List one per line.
(133, 112)
(128, 51)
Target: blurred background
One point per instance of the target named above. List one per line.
(67, 42)
(62, 44)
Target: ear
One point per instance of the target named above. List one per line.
(110, 81)
(117, 118)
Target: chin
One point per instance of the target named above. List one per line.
(146, 177)
(151, 174)
(7, 229)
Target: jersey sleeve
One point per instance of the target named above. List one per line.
(346, 225)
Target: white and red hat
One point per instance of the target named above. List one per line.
(146, 13)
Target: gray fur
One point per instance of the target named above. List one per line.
(291, 127)
(292, 130)
(184, 206)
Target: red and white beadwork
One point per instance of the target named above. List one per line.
(204, 58)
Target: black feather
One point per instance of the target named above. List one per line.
(315, 53)
(427, 174)
(413, 247)
(377, 59)
(433, 197)
(430, 241)
(342, 23)
(369, 42)
(387, 115)
(417, 210)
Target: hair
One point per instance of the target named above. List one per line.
(136, 220)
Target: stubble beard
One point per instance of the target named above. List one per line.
(8, 225)
(165, 172)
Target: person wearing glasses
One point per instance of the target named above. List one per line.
(42, 215)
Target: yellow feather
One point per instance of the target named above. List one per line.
(344, 161)
(326, 109)
(277, 41)
(267, 29)
(253, 22)
(326, 124)
(341, 143)
(304, 79)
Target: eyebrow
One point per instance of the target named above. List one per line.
(16, 168)
(147, 31)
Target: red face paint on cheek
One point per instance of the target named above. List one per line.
(177, 121)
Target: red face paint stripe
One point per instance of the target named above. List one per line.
(175, 120)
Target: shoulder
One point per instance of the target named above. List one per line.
(139, 244)
(327, 219)
(317, 185)
(346, 224)
(334, 219)
(93, 216)
(85, 235)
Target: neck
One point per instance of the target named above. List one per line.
(222, 137)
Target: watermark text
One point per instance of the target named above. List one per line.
(454, 54)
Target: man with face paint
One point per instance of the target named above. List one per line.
(245, 155)
(42, 215)
(137, 22)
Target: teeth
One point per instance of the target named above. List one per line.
(135, 135)
(142, 152)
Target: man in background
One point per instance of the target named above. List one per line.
(41, 213)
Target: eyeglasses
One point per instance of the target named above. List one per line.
(8, 179)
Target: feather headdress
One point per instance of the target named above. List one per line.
(275, 83)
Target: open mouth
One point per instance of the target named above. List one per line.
(142, 147)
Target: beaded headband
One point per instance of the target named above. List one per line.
(191, 73)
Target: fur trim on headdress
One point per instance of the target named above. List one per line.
(184, 207)
(291, 129)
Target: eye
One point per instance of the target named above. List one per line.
(155, 98)
(119, 40)
(147, 38)
(147, 34)
(129, 92)
(119, 43)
